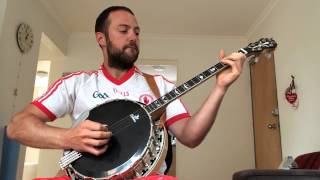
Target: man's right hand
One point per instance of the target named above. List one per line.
(88, 136)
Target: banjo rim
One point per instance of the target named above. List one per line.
(132, 161)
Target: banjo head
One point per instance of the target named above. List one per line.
(131, 128)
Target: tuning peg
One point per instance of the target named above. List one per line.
(256, 59)
(268, 55)
(253, 59)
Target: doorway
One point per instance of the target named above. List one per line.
(48, 52)
(32, 154)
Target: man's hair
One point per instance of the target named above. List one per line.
(102, 21)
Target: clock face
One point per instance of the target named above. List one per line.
(24, 37)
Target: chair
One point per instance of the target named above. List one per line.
(308, 161)
(277, 174)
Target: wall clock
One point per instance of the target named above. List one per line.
(24, 37)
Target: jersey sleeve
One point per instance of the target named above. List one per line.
(59, 98)
(176, 110)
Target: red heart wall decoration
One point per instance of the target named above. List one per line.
(291, 97)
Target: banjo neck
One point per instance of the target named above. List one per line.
(187, 86)
(251, 51)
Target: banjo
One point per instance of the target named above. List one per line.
(138, 145)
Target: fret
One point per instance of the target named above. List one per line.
(172, 94)
(168, 97)
(153, 105)
(180, 89)
(161, 101)
(193, 83)
(176, 92)
(200, 77)
(148, 108)
(190, 83)
(219, 65)
(195, 80)
(157, 103)
(207, 73)
(183, 88)
(164, 99)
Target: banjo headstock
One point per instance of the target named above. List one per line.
(263, 45)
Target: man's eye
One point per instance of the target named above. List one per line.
(123, 31)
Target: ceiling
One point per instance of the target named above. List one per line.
(163, 17)
(174, 17)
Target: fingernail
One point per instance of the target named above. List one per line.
(105, 126)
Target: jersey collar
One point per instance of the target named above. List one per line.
(120, 81)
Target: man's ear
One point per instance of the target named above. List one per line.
(101, 39)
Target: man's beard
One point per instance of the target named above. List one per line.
(120, 59)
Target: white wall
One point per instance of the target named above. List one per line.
(294, 25)
(17, 70)
(3, 6)
(229, 146)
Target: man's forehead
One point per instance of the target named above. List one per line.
(122, 17)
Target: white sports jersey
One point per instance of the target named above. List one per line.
(81, 91)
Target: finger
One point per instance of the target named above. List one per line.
(94, 126)
(237, 56)
(228, 61)
(98, 134)
(221, 54)
(235, 66)
(96, 151)
(96, 142)
(102, 149)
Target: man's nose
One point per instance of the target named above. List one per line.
(132, 36)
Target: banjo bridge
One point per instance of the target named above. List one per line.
(135, 117)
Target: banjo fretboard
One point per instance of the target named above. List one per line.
(187, 86)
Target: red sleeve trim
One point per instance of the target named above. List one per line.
(176, 118)
(45, 110)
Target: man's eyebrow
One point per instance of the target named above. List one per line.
(123, 25)
(126, 26)
(137, 28)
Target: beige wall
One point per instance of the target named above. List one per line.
(17, 70)
(294, 24)
(22, 76)
(228, 147)
(3, 6)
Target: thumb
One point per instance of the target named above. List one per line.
(221, 54)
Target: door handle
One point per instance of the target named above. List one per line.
(275, 112)
(272, 126)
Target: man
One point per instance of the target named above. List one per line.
(117, 33)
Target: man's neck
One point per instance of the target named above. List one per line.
(115, 72)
